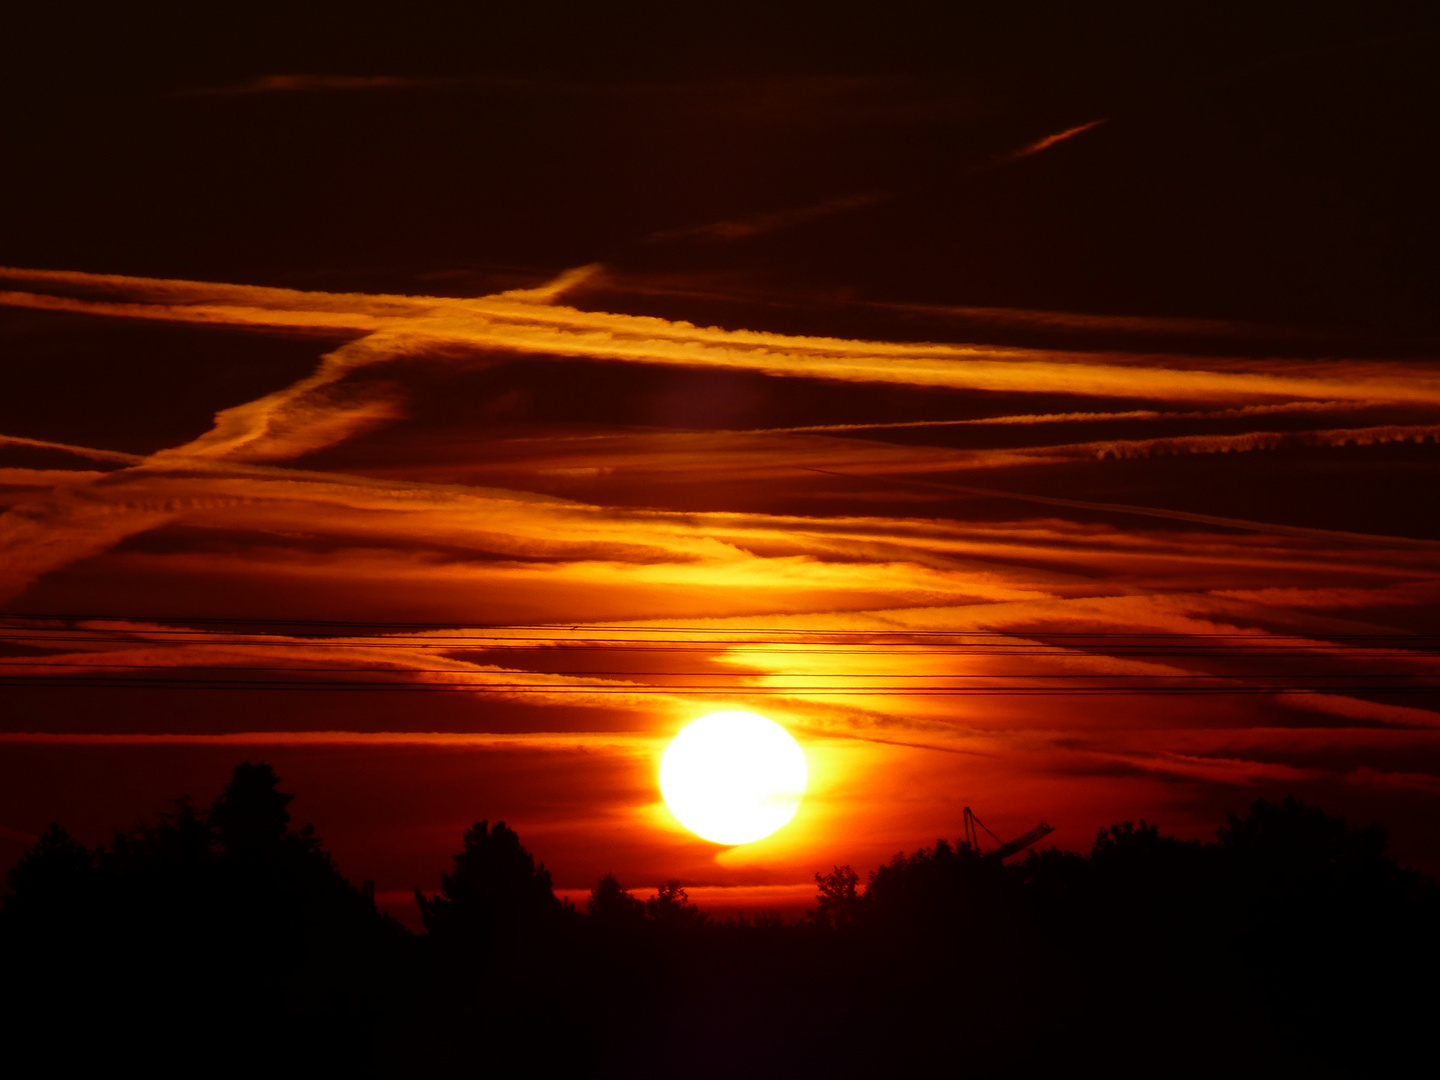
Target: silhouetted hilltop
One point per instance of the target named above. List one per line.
(224, 941)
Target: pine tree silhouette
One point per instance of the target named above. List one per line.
(495, 892)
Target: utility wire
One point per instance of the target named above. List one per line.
(563, 627)
(727, 674)
(127, 683)
(552, 640)
(1275, 646)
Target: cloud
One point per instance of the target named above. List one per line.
(771, 221)
(1372, 711)
(1028, 419)
(570, 578)
(1404, 780)
(1171, 515)
(28, 481)
(289, 84)
(68, 524)
(1185, 333)
(327, 407)
(1405, 594)
(1262, 440)
(78, 451)
(665, 553)
(307, 415)
(1043, 144)
(563, 741)
(522, 327)
(1214, 770)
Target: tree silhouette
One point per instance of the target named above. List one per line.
(495, 891)
(52, 881)
(935, 892)
(1284, 944)
(250, 818)
(498, 943)
(670, 908)
(611, 906)
(838, 903)
(223, 927)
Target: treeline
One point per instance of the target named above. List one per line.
(224, 941)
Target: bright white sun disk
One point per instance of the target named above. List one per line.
(733, 777)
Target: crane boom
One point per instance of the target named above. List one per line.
(1020, 843)
(973, 825)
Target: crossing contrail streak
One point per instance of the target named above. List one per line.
(1144, 511)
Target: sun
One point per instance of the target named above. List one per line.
(733, 777)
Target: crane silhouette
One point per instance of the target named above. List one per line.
(1005, 848)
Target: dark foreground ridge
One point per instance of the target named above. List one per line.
(225, 942)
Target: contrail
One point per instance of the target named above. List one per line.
(78, 451)
(1146, 511)
(1050, 140)
(740, 228)
(1064, 418)
(516, 324)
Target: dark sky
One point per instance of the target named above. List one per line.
(1266, 160)
(1016, 319)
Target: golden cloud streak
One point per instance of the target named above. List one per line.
(220, 524)
(516, 323)
(616, 742)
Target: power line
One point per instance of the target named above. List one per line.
(553, 642)
(728, 674)
(596, 628)
(135, 683)
(1034, 647)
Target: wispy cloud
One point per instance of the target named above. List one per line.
(1043, 144)
(79, 451)
(1074, 417)
(519, 325)
(771, 221)
(289, 84)
(325, 496)
(616, 742)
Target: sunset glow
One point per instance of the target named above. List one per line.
(755, 539)
(562, 594)
(1055, 436)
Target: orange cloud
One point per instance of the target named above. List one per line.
(514, 323)
(1048, 141)
(78, 451)
(833, 602)
(614, 742)
(757, 224)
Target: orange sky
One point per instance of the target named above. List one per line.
(1035, 409)
(611, 508)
